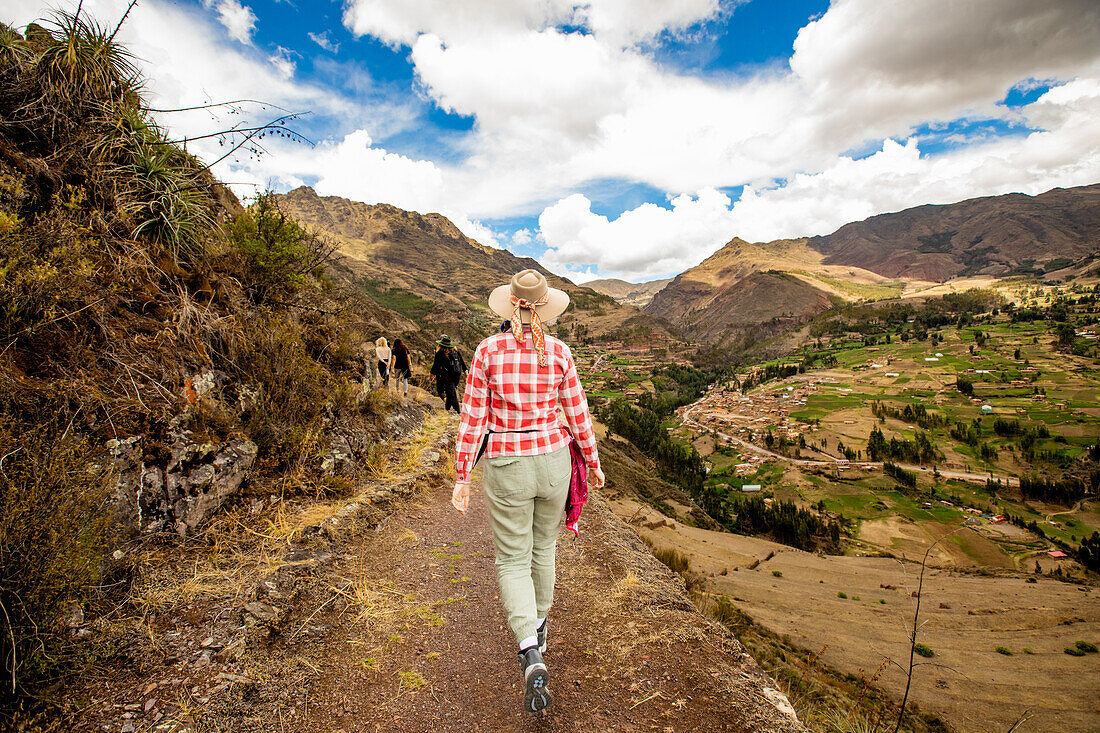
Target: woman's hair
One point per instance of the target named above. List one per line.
(399, 346)
(381, 341)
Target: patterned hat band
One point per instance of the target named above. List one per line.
(536, 323)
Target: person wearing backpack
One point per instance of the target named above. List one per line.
(447, 369)
(535, 462)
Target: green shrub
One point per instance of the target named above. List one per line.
(777, 573)
(1004, 650)
(1027, 651)
(841, 594)
(924, 650)
(1074, 651)
(1086, 647)
(53, 539)
(279, 253)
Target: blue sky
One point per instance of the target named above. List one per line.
(633, 138)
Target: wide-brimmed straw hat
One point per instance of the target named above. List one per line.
(530, 285)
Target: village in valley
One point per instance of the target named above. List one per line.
(993, 400)
(961, 441)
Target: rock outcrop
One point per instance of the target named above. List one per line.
(186, 491)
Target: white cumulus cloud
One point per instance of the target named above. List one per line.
(650, 241)
(646, 242)
(238, 19)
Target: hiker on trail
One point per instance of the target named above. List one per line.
(400, 366)
(383, 353)
(447, 370)
(517, 384)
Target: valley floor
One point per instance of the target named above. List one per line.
(855, 611)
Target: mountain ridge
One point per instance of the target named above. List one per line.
(628, 293)
(884, 256)
(991, 235)
(387, 250)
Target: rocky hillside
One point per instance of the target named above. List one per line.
(164, 352)
(741, 312)
(635, 294)
(994, 235)
(422, 266)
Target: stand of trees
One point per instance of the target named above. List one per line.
(919, 450)
(899, 474)
(918, 414)
(783, 521)
(1065, 490)
(676, 463)
(1089, 552)
(772, 371)
(966, 432)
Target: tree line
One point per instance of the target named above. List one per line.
(783, 521)
(1065, 490)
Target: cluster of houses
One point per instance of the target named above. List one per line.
(748, 417)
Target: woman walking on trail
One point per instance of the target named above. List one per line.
(383, 353)
(447, 370)
(400, 366)
(519, 380)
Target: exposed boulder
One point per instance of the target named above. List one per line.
(187, 491)
(340, 458)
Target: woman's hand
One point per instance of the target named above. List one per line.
(596, 477)
(460, 498)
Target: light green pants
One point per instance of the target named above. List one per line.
(526, 500)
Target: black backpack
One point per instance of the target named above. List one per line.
(454, 367)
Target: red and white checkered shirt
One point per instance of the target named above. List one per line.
(509, 394)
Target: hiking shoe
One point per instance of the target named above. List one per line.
(542, 636)
(536, 696)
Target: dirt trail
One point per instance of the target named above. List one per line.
(389, 620)
(626, 651)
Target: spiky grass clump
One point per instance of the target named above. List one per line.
(72, 104)
(166, 200)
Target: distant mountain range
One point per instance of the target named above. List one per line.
(636, 294)
(422, 268)
(438, 279)
(745, 292)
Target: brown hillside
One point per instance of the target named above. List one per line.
(635, 294)
(995, 235)
(422, 266)
(719, 305)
